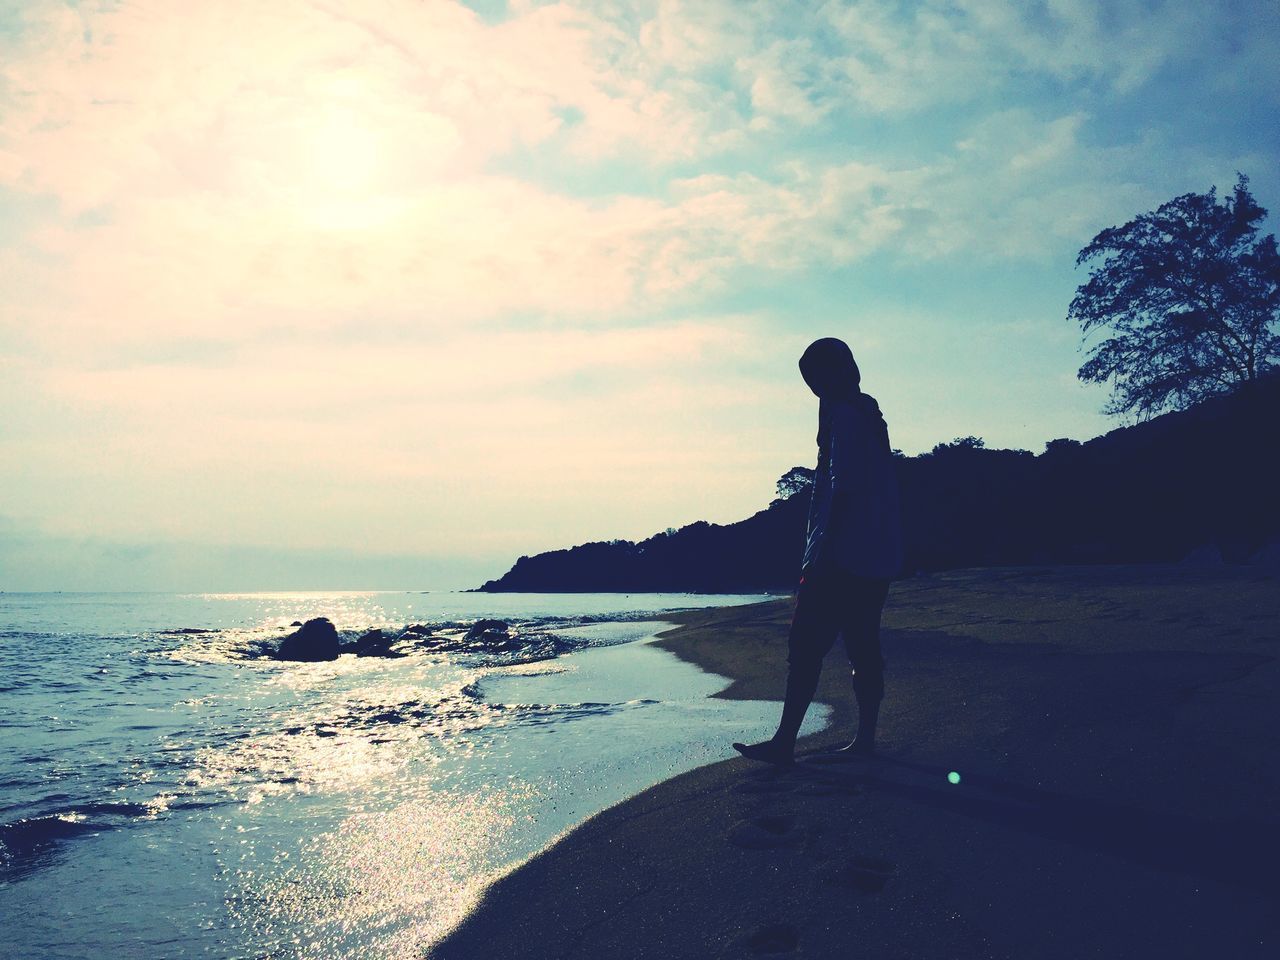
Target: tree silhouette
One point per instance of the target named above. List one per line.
(1190, 294)
(1062, 445)
(794, 481)
(958, 445)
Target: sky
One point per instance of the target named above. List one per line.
(387, 294)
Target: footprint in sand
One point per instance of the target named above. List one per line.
(765, 833)
(863, 874)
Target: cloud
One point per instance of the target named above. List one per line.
(482, 248)
(236, 169)
(883, 57)
(235, 97)
(228, 169)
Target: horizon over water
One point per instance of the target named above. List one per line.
(164, 793)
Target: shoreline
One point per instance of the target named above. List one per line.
(1108, 727)
(349, 777)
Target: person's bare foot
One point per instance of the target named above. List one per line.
(768, 752)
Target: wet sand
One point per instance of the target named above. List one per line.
(1115, 738)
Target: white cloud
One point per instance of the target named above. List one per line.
(222, 267)
(238, 97)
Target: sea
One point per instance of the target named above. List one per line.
(165, 791)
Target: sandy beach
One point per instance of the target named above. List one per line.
(1112, 731)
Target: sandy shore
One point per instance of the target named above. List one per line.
(1116, 739)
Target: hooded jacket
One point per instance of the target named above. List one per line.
(855, 462)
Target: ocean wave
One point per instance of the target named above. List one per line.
(26, 843)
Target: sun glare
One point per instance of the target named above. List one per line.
(342, 154)
(342, 176)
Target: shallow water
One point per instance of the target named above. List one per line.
(162, 794)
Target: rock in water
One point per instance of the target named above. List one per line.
(431, 641)
(375, 643)
(486, 629)
(315, 640)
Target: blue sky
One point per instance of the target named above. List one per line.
(387, 294)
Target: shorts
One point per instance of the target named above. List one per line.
(834, 602)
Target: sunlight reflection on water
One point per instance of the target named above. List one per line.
(397, 878)
(355, 808)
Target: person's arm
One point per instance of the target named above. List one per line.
(824, 555)
(847, 465)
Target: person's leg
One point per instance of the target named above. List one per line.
(813, 630)
(860, 627)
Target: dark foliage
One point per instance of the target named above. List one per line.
(1149, 492)
(796, 480)
(759, 553)
(960, 445)
(1190, 295)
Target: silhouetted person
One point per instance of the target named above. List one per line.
(853, 548)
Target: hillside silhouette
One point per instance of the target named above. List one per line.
(1198, 484)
